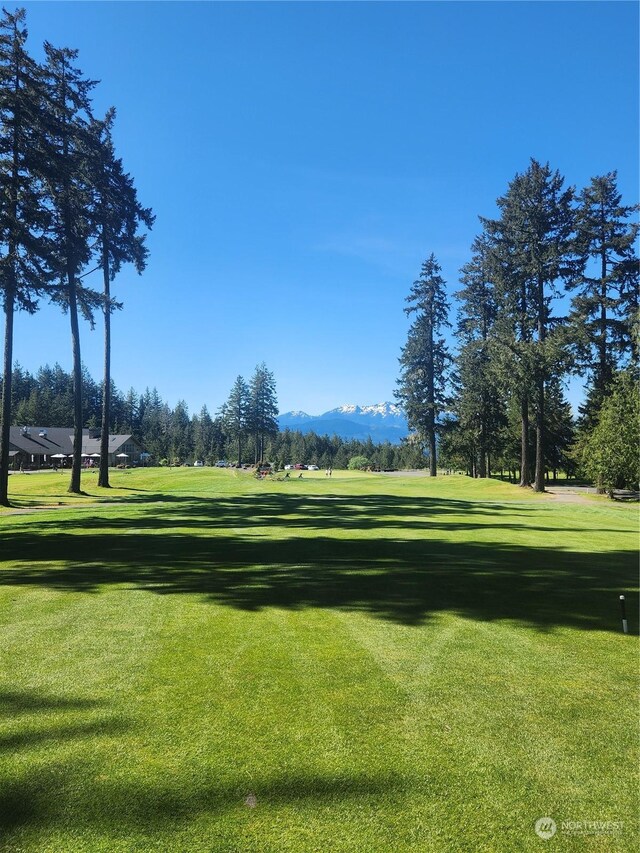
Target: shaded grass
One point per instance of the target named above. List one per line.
(382, 665)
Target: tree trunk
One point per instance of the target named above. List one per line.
(604, 373)
(76, 467)
(5, 414)
(542, 334)
(9, 308)
(482, 456)
(539, 476)
(103, 476)
(433, 469)
(525, 478)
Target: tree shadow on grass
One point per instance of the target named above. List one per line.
(14, 702)
(35, 719)
(404, 580)
(119, 807)
(100, 798)
(317, 512)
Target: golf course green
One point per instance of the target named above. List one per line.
(197, 660)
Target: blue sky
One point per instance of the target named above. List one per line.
(303, 159)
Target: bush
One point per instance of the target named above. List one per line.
(358, 463)
(610, 452)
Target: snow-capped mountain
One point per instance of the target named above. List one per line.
(296, 418)
(378, 410)
(381, 422)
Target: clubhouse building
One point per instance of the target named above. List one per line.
(52, 447)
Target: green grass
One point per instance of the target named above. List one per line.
(382, 663)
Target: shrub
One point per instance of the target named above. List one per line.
(610, 453)
(358, 463)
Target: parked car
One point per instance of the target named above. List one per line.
(300, 467)
(220, 464)
(198, 463)
(313, 468)
(288, 467)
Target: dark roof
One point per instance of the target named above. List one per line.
(92, 445)
(47, 440)
(51, 440)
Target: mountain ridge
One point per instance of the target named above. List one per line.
(379, 421)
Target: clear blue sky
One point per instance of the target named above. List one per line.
(303, 159)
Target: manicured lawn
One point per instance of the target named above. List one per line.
(199, 661)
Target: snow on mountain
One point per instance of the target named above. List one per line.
(381, 422)
(293, 419)
(382, 410)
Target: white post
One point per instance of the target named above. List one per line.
(625, 626)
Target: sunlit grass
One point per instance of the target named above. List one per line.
(196, 660)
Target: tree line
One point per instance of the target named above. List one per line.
(244, 429)
(551, 289)
(67, 208)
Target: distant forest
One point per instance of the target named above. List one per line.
(173, 435)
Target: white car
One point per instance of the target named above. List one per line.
(312, 468)
(288, 467)
(198, 463)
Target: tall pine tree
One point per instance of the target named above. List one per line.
(425, 357)
(478, 403)
(116, 218)
(531, 251)
(606, 286)
(263, 408)
(25, 251)
(68, 141)
(236, 414)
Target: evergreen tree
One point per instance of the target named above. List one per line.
(56, 388)
(91, 400)
(24, 248)
(425, 357)
(116, 215)
(530, 251)
(180, 433)
(68, 144)
(609, 454)
(478, 402)
(263, 408)
(132, 411)
(154, 424)
(607, 281)
(203, 435)
(559, 430)
(236, 414)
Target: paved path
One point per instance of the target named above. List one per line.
(571, 494)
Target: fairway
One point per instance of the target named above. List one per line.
(196, 660)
